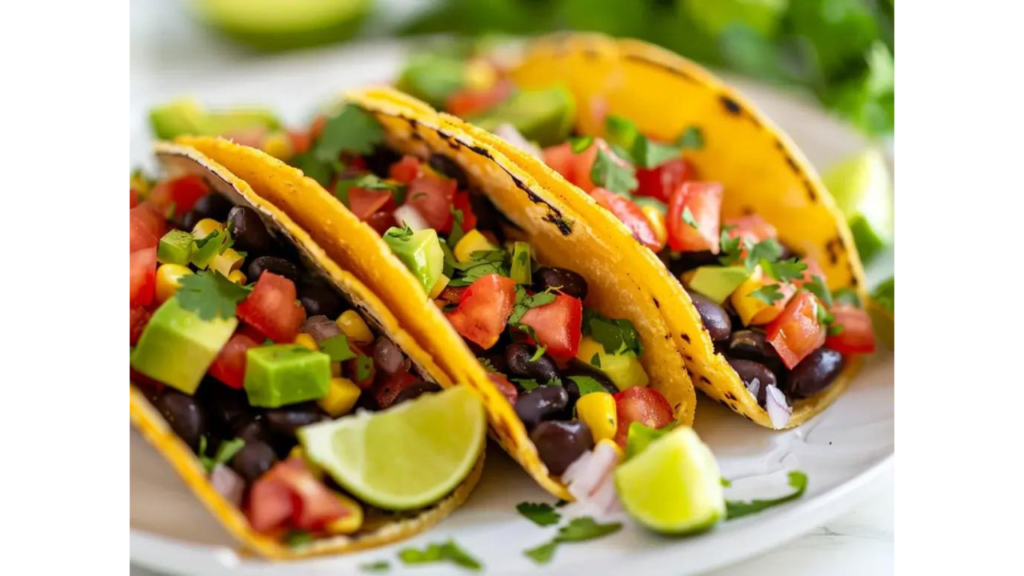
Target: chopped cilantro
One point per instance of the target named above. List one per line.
(524, 302)
(352, 130)
(733, 509)
(482, 263)
(378, 566)
(337, 348)
(206, 248)
(577, 530)
(298, 538)
(579, 144)
(650, 154)
(847, 296)
(541, 514)
(225, 452)
(766, 250)
(726, 483)
(487, 364)
(368, 182)
(885, 295)
(784, 270)
(322, 172)
(612, 175)
(692, 138)
(458, 218)
(835, 329)
(539, 353)
(769, 294)
(364, 367)
(617, 336)
(817, 287)
(210, 295)
(624, 136)
(449, 551)
(596, 360)
(587, 384)
(544, 553)
(689, 219)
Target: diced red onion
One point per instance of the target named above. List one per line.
(410, 217)
(388, 356)
(778, 409)
(509, 133)
(591, 479)
(228, 484)
(320, 328)
(754, 387)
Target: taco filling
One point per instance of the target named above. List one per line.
(767, 309)
(241, 341)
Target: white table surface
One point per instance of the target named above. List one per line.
(165, 45)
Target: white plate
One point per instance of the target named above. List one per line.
(843, 451)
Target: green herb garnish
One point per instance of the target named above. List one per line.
(351, 130)
(617, 336)
(689, 219)
(587, 384)
(298, 538)
(577, 530)
(225, 452)
(541, 514)
(378, 566)
(210, 295)
(733, 509)
(446, 551)
(611, 175)
(817, 286)
(769, 294)
(692, 138)
(579, 144)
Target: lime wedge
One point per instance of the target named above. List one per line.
(275, 25)
(674, 485)
(405, 457)
(862, 188)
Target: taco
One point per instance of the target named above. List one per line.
(754, 267)
(507, 287)
(230, 362)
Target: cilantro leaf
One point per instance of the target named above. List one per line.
(350, 130)
(817, 287)
(524, 302)
(784, 270)
(527, 384)
(337, 348)
(587, 384)
(487, 364)
(206, 248)
(617, 336)
(847, 296)
(579, 144)
(885, 295)
(458, 218)
(769, 294)
(734, 509)
(766, 250)
(298, 538)
(364, 367)
(689, 219)
(577, 530)
(611, 175)
(726, 483)
(210, 295)
(225, 452)
(650, 154)
(378, 566)
(449, 551)
(539, 353)
(368, 182)
(542, 554)
(835, 329)
(692, 138)
(732, 247)
(482, 263)
(541, 514)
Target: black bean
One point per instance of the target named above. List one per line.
(544, 403)
(415, 391)
(713, 316)
(446, 166)
(252, 427)
(188, 221)
(519, 356)
(215, 206)
(488, 217)
(273, 264)
(749, 371)
(287, 419)
(689, 260)
(184, 414)
(319, 299)
(752, 345)
(223, 404)
(814, 373)
(559, 444)
(562, 279)
(379, 162)
(497, 361)
(253, 460)
(248, 230)
(320, 328)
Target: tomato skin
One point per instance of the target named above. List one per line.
(182, 192)
(381, 221)
(858, 335)
(289, 494)
(229, 366)
(467, 102)
(661, 181)
(704, 199)
(507, 388)
(483, 310)
(385, 393)
(751, 227)
(640, 404)
(575, 167)
(558, 325)
(432, 197)
(796, 332)
(146, 225)
(142, 277)
(134, 199)
(271, 308)
(138, 317)
(630, 214)
(461, 202)
(365, 203)
(301, 141)
(405, 170)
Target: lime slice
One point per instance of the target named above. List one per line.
(405, 457)
(674, 485)
(862, 188)
(276, 25)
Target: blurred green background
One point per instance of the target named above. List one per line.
(840, 50)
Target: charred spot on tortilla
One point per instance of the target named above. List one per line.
(853, 277)
(833, 250)
(656, 303)
(704, 379)
(811, 194)
(731, 106)
(686, 338)
(669, 69)
(688, 359)
(591, 54)
(791, 163)
(730, 396)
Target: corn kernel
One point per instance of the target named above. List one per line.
(227, 262)
(657, 222)
(238, 277)
(597, 411)
(205, 227)
(472, 242)
(349, 523)
(168, 280)
(354, 327)
(308, 341)
(279, 145)
(439, 286)
(341, 397)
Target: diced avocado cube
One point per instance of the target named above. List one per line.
(718, 282)
(522, 267)
(544, 116)
(282, 374)
(420, 252)
(432, 78)
(624, 369)
(177, 346)
(175, 248)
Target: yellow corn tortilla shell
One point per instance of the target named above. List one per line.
(762, 171)
(558, 235)
(379, 528)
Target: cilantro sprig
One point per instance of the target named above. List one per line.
(368, 182)
(587, 384)
(350, 130)
(482, 263)
(643, 152)
(524, 302)
(446, 551)
(210, 295)
(617, 177)
(225, 452)
(736, 509)
(540, 513)
(618, 336)
(577, 530)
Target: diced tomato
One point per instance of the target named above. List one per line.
(752, 228)
(574, 167)
(138, 318)
(271, 308)
(316, 127)
(660, 182)
(857, 336)
(484, 309)
(640, 404)
(365, 203)
(704, 201)
(135, 198)
(182, 192)
(557, 325)
(229, 366)
(630, 214)
(813, 269)
(507, 388)
(461, 202)
(405, 170)
(147, 225)
(142, 277)
(381, 220)
(796, 332)
(289, 494)
(432, 196)
(467, 102)
(301, 141)
(386, 391)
